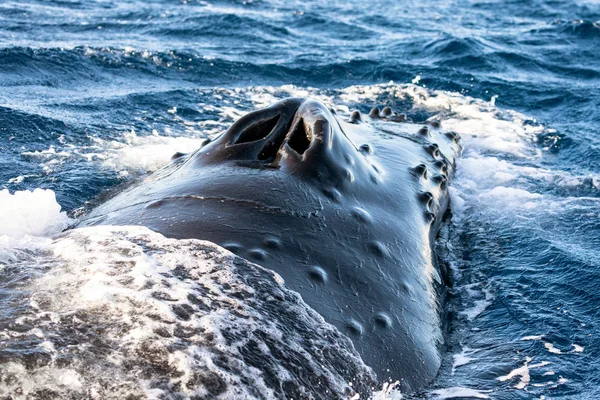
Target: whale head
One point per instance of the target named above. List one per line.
(345, 210)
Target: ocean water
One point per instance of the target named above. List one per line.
(94, 95)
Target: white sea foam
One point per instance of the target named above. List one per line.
(523, 373)
(459, 393)
(533, 337)
(17, 179)
(481, 297)
(132, 154)
(462, 358)
(550, 347)
(575, 348)
(388, 391)
(27, 220)
(33, 213)
(141, 154)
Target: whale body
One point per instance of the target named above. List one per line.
(346, 211)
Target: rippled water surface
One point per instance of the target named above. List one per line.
(96, 94)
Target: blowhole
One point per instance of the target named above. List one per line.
(258, 130)
(300, 139)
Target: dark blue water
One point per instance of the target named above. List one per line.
(94, 94)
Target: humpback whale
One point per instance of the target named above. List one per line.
(345, 210)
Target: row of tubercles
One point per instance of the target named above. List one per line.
(432, 149)
(386, 114)
(421, 171)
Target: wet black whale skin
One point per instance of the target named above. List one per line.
(345, 211)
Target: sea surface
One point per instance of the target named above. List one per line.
(96, 94)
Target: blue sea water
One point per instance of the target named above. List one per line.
(95, 94)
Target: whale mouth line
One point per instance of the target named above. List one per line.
(255, 204)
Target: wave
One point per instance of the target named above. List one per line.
(229, 27)
(57, 68)
(123, 311)
(580, 28)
